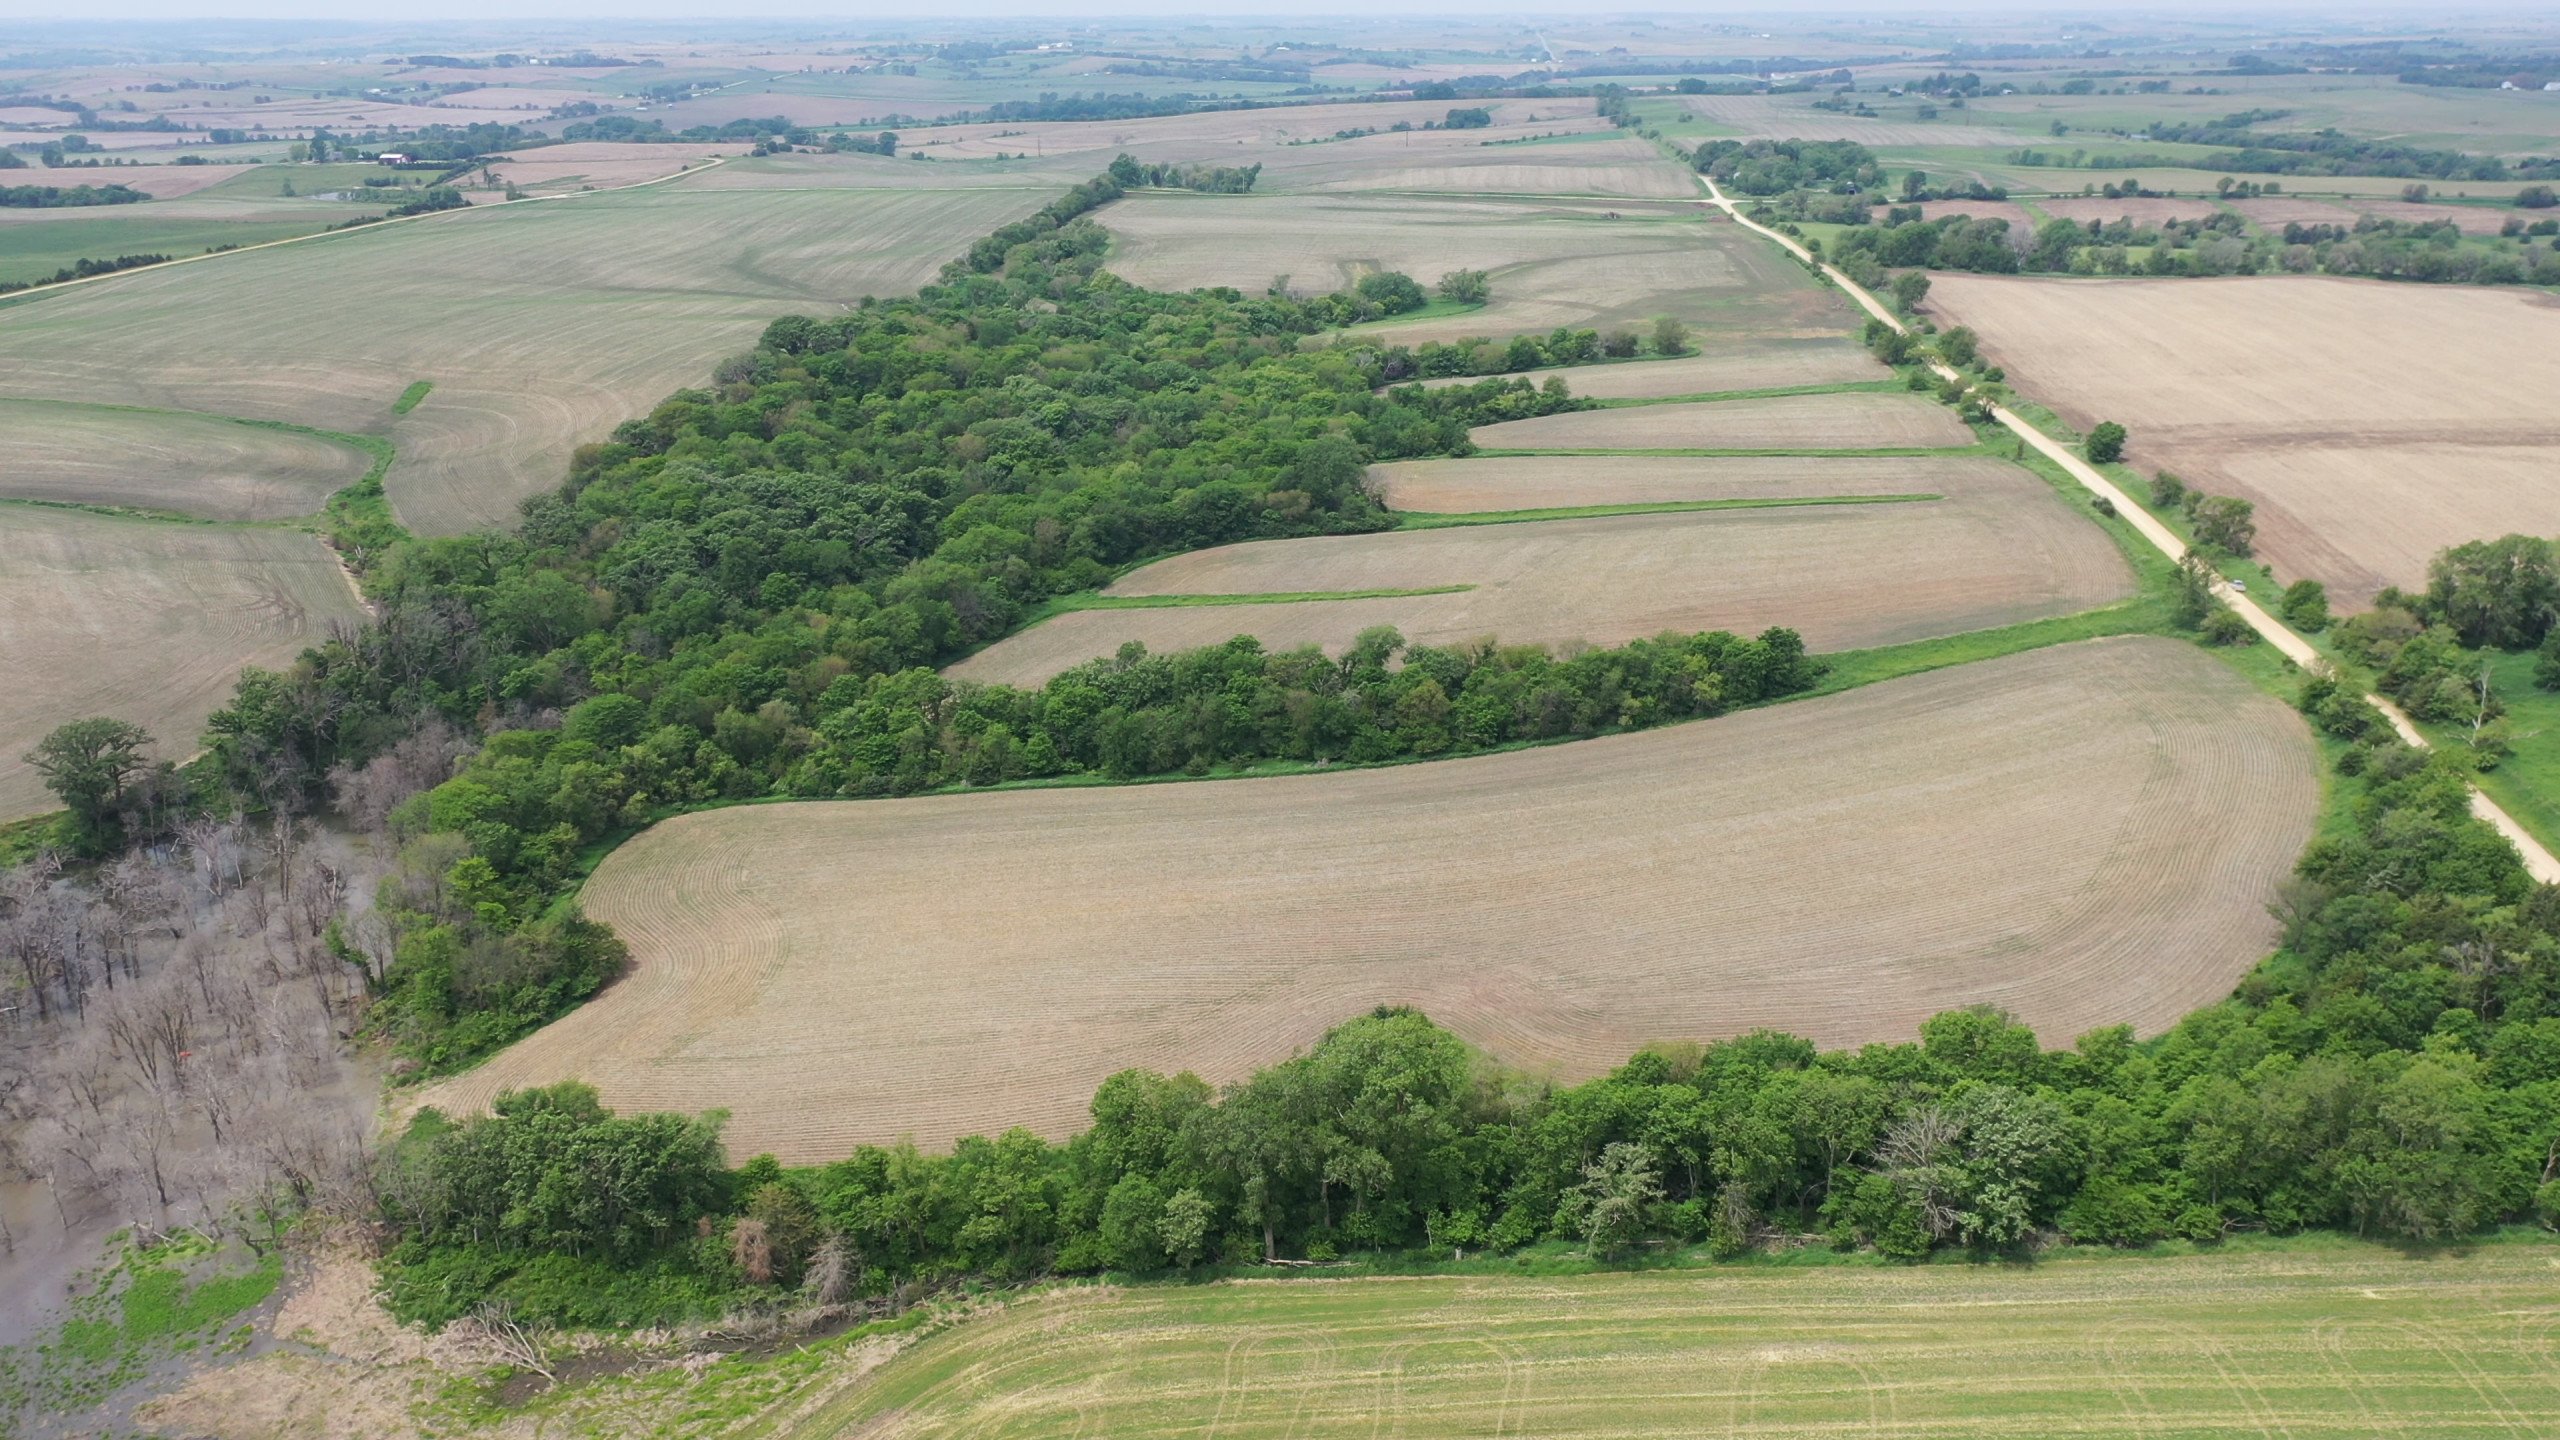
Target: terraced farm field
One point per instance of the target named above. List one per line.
(1856, 421)
(2371, 423)
(2341, 1344)
(1552, 262)
(1995, 549)
(1725, 366)
(2128, 806)
(1495, 483)
(145, 620)
(543, 325)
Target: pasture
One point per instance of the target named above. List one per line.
(2333, 1343)
(2372, 424)
(2128, 806)
(1551, 263)
(1859, 421)
(1982, 545)
(200, 465)
(145, 620)
(542, 324)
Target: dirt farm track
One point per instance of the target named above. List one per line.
(2126, 808)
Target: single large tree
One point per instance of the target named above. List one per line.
(2503, 592)
(88, 764)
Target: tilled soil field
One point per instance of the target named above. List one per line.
(1727, 366)
(144, 620)
(195, 464)
(1584, 264)
(2086, 835)
(1542, 482)
(1999, 548)
(2433, 400)
(1856, 421)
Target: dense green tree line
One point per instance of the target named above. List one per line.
(1131, 173)
(2382, 248)
(43, 197)
(745, 592)
(1773, 167)
(2394, 1070)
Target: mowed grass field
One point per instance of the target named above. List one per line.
(199, 465)
(1552, 263)
(543, 325)
(2329, 1344)
(1977, 544)
(1856, 421)
(2372, 424)
(145, 620)
(2086, 835)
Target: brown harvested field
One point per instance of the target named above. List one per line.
(2277, 211)
(2138, 209)
(601, 165)
(2086, 835)
(1552, 263)
(1761, 117)
(1244, 137)
(195, 464)
(542, 324)
(1605, 164)
(1767, 365)
(1999, 548)
(1544, 482)
(2443, 394)
(160, 182)
(1861, 420)
(145, 620)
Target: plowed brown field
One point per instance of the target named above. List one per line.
(1728, 366)
(2087, 835)
(1998, 549)
(1543, 482)
(1856, 421)
(194, 464)
(1553, 263)
(2433, 401)
(144, 620)
(543, 325)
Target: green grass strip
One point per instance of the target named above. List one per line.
(1412, 520)
(1850, 669)
(410, 397)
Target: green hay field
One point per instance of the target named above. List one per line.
(2293, 1341)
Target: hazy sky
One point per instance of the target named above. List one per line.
(854, 14)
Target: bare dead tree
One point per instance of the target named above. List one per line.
(1917, 1154)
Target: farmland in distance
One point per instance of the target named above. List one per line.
(1551, 262)
(543, 325)
(2133, 803)
(2434, 402)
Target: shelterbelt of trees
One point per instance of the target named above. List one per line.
(2393, 1070)
(744, 594)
